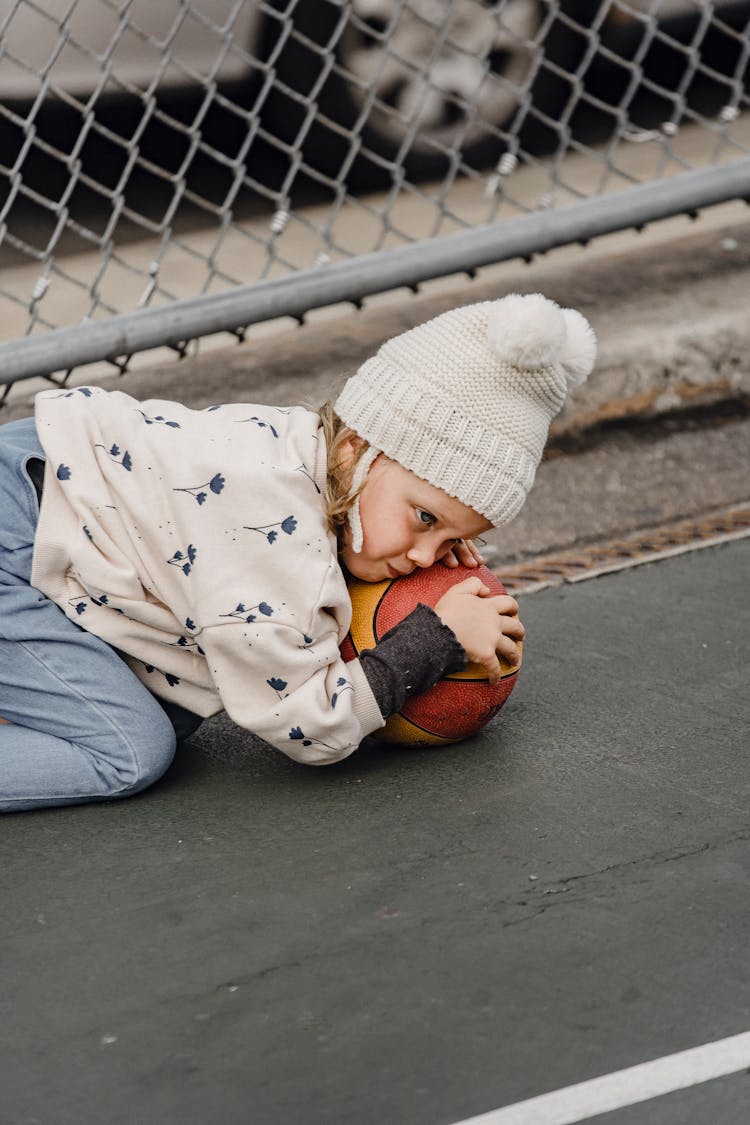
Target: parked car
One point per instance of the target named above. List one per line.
(422, 83)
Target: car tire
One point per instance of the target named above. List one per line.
(363, 133)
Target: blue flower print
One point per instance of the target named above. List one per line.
(87, 533)
(296, 734)
(277, 684)
(184, 559)
(247, 613)
(172, 680)
(85, 391)
(216, 484)
(343, 685)
(305, 472)
(192, 630)
(158, 419)
(79, 604)
(63, 472)
(288, 526)
(187, 643)
(117, 455)
(104, 600)
(261, 424)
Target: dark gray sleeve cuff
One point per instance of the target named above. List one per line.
(410, 658)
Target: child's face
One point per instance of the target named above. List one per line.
(407, 523)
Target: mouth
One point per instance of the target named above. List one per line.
(397, 573)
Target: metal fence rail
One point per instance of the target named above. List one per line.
(176, 168)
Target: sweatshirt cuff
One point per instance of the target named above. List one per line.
(410, 658)
(366, 705)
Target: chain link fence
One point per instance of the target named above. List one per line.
(175, 168)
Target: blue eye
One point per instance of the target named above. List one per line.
(425, 518)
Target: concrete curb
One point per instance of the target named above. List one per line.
(673, 328)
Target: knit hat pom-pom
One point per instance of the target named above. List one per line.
(579, 351)
(526, 331)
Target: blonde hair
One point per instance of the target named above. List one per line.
(338, 497)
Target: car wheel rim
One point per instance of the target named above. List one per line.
(436, 73)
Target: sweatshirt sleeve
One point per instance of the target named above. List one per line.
(410, 658)
(306, 701)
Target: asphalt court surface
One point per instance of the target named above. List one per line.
(412, 936)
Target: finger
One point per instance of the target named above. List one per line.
(474, 550)
(473, 585)
(504, 604)
(509, 652)
(512, 627)
(494, 669)
(466, 553)
(450, 560)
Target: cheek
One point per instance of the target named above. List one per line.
(380, 538)
(383, 525)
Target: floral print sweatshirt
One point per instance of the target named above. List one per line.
(195, 542)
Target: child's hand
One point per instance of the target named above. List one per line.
(485, 625)
(465, 553)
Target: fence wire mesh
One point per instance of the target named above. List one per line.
(157, 150)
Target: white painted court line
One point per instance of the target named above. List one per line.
(625, 1087)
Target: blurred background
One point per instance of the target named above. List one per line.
(152, 150)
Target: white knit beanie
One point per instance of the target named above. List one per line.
(465, 401)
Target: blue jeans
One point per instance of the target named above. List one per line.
(82, 727)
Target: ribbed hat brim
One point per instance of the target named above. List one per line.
(381, 404)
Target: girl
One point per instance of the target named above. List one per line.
(158, 564)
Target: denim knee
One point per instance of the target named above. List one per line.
(152, 744)
(119, 751)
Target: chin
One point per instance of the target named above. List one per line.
(363, 570)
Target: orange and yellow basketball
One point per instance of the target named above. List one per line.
(457, 706)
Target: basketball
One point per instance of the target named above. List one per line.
(459, 705)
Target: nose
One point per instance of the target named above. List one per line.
(422, 555)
